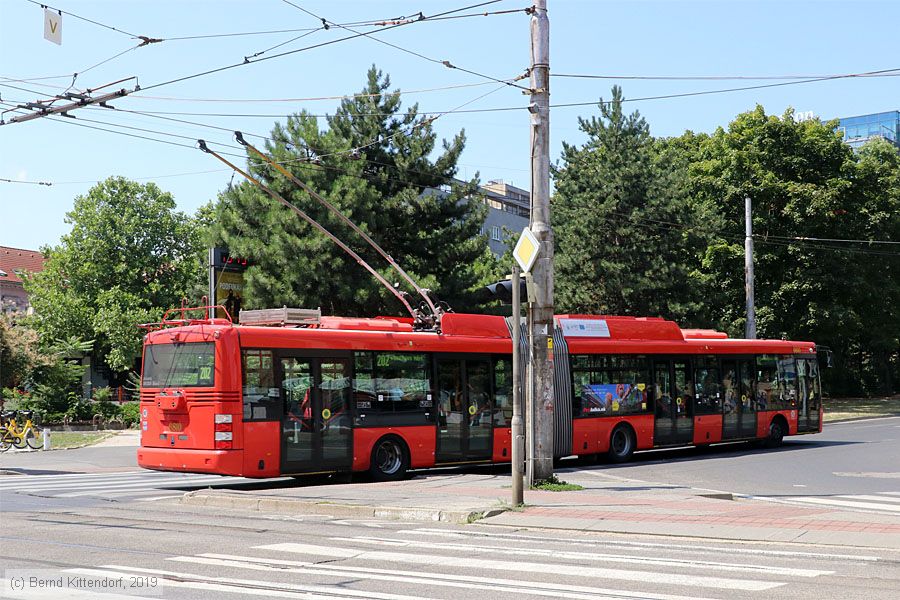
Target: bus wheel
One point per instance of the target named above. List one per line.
(776, 434)
(390, 460)
(621, 444)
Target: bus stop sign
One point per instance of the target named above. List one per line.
(526, 250)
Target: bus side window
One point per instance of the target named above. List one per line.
(503, 397)
(262, 399)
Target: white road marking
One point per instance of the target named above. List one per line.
(870, 474)
(843, 503)
(737, 549)
(582, 557)
(871, 497)
(537, 588)
(528, 567)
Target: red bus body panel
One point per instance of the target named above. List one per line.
(178, 431)
(707, 429)
(421, 441)
(219, 462)
(262, 446)
(502, 445)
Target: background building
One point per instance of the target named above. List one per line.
(508, 207)
(15, 262)
(859, 130)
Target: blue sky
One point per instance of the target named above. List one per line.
(602, 37)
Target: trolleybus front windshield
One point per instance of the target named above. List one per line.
(178, 365)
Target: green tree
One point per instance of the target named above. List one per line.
(374, 163)
(618, 212)
(804, 182)
(129, 256)
(19, 353)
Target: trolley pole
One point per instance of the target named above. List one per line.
(518, 435)
(540, 365)
(748, 270)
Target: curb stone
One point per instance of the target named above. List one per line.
(283, 505)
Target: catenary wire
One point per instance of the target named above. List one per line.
(296, 50)
(71, 14)
(891, 73)
(445, 63)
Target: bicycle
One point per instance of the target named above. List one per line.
(11, 435)
(7, 437)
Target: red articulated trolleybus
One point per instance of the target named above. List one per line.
(289, 392)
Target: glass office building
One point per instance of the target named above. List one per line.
(859, 130)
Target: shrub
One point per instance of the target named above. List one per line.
(78, 409)
(131, 413)
(105, 409)
(102, 394)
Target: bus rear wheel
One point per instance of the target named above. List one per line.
(776, 434)
(390, 460)
(621, 444)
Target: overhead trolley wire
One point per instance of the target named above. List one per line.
(71, 14)
(759, 238)
(305, 48)
(889, 73)
(317, 98)
(326, 23)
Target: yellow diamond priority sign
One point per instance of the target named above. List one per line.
(526, 250)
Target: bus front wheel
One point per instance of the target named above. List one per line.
(621, 444)
(390, 460)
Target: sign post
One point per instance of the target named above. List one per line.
(526, 254)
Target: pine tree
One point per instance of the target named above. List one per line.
(617, 210)
(373, 162)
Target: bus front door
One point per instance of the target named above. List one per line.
(316, 430)
(674, 423)
(464, 410)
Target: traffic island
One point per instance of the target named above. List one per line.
(295, 506)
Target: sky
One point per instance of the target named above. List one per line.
(611, 38)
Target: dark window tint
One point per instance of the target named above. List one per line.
(707, 386)
(179, 365)
(391, 382)
(503, 397)
(262, 398)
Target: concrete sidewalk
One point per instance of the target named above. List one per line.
(607, 504)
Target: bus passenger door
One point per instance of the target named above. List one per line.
(673, 423)
(333, 425)
(731, 413)
(316, 426)
(297, 443)
(464, 410)
(810, 396)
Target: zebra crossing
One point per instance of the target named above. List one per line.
(878, 502)
(437, 564)
(114, 485)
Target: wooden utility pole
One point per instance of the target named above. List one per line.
(748, 270)
(540, 365)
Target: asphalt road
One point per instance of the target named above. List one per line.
(116, 524)
(858, 458)
(160, 549)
